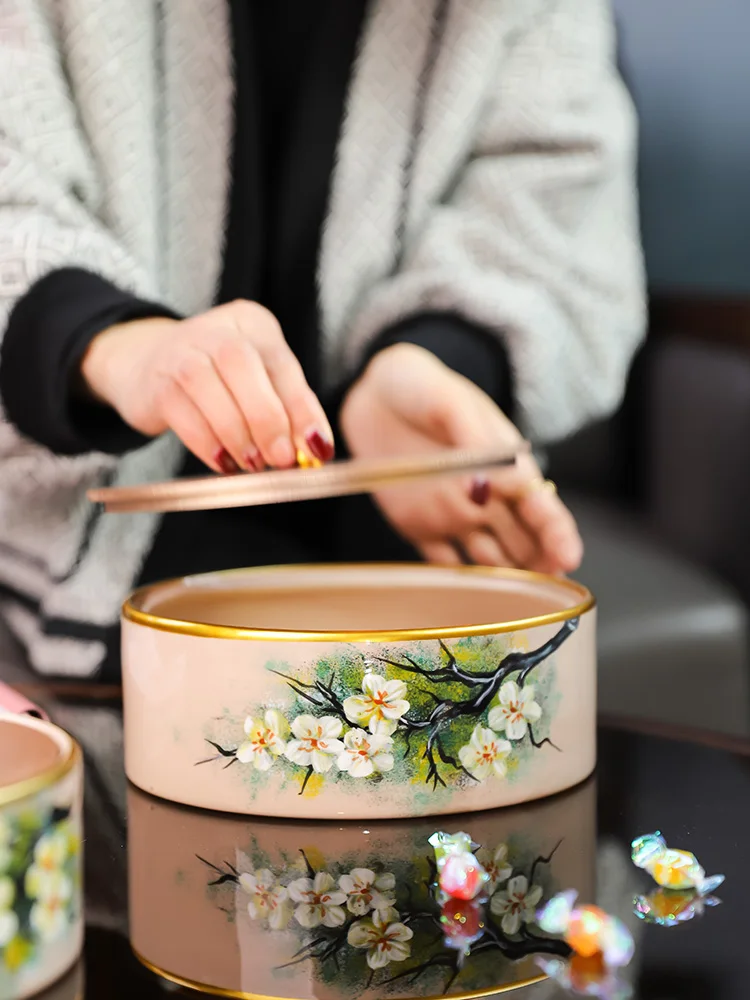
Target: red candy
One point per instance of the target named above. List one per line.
(462, 919)
(461, 877)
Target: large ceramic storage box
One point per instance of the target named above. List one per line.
(359, 692)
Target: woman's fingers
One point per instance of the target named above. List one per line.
(482, 548)
(541, 513)
(308, 426)
(554, 526)
(516, 541)
(241, 377)
(197, 377)
(191, 427)
(242, 370)
(440, 553)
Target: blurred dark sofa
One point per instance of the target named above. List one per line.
(663, 490)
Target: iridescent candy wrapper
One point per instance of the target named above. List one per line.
(586, 977)
(670, 907)
(669, 868)
(587, 929)
(460, 875)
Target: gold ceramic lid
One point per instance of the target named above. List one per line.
(262, 909)
(249, 489)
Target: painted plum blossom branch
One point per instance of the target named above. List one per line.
(483, 688)
(382, 712)
(358, 910)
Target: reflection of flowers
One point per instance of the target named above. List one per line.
(515, 710)
(380, 706)
(317, 742)
(367, 891)
(385, 942)
(365, 753)
(496, 866)
(484, 755)
(265, 740)
(268, 900)
(319, 901)
(516, 904)
(8, 919)
(354, 921)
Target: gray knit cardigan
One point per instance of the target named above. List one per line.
(115, 130)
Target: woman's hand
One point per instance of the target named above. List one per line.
(225, 382)
(408, 402)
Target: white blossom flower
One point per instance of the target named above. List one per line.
(8, 919)
(385, 942)
(496, 866)
(6, 838)
(484, 755)
(317, 742)
(266, 739)
(50, 853)
(516, 904)
(319, 901)
(380, 706)
(365, 753)
(268, 900)
(48, 915)
(367, 891)
(515, 710)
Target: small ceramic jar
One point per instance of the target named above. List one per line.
(359, 692)
(41, 914)
(259, 908)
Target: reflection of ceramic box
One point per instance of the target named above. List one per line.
(41, 918)
(359, 692)
(258, 935)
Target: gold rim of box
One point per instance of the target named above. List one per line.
(133, 611)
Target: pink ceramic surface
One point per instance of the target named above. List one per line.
(222, 902)
(18, 704)
(359, 691)
(41, 921)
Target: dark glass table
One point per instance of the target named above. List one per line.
(172, 884)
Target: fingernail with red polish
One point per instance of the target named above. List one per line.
(320, 447)
(226, 463)
(480, 492)
(254, 461)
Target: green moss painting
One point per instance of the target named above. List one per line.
(437, 716)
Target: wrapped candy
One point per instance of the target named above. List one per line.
(669, 868)
(585, 977)
(305, 461)
(587, 929)
(670, 907)
(460, 875)
(463, 923)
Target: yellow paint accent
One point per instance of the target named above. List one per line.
(315, 857)
(314, 786)
(17, 952)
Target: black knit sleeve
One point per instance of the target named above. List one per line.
(47, 335)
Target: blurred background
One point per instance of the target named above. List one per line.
(663, 489)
